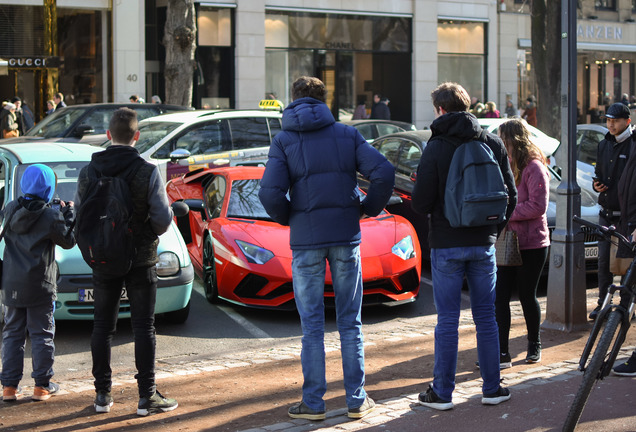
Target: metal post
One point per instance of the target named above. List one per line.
(566, 303)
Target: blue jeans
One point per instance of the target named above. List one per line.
(308, 271)
(39, 323)
(141, 284)
(449, 266)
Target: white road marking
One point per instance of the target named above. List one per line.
(248, 326)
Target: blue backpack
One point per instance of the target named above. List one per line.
(476, 194)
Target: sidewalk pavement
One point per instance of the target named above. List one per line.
(251, 393)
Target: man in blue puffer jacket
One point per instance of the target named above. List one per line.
(310, 184)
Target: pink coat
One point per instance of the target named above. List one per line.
(529, 218)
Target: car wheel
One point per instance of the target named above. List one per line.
(209, 272)
(179, 316)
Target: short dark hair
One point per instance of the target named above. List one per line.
(123, 125)
(309, 87)
(134, 97)
(59, 96)
(450, 96)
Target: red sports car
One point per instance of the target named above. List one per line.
(243, 256)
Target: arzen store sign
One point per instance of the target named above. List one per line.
(609, 33)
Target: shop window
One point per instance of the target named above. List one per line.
(461, 55)
(605, 4)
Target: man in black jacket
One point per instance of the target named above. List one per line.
(460, 252)
(611, 159)
(151, 217)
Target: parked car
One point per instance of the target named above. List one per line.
(87, 123)
(244, 257)
(404, 151)
(74, 285)
(539, 138)
(185, 141)
(371, 129)
(588, 136)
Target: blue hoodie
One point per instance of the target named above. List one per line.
(38, 180)
(316, 159)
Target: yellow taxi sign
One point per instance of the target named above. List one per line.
(271, 104)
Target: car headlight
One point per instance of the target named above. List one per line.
(255, 254)
(404, 248)
(168, 264)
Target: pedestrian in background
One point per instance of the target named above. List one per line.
(156, 99)
(491, 110)
(380, 109)
(530, 222)
(32, 229)
(50, 107)
(151, 217)
(360, 112)
(134, 99)
(510, 110)
(530, 111)
(316, 156)
(611, 159)
(458, 253)
(58, 98)
(24, 116)
(9, 122)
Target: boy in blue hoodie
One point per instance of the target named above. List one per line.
(31, 230)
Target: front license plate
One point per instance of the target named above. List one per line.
(591, 252)
(86, 295)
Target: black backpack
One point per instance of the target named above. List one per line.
(103, 230)
(476, 194)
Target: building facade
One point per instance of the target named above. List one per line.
(248, 50)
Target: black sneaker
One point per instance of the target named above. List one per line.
(431, 400)
(628, 368)
(302, 411)
(155, 404)
(595, 312)
(103, 401)
(534, 352)
(505, 361)
(501, 395)
(367, 406)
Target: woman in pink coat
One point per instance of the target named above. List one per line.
(530, 222)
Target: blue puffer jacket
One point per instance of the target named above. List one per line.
(316, 159)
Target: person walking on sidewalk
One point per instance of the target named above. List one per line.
(32, 229)
(627, 200)
(459, 252)
(611, 159)
(310, 185)
(151, 217)
(530, 222)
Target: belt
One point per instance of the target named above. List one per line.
(610, 213)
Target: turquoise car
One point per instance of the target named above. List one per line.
(74, 284)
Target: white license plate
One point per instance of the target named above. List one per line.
(86, 295)
(591, 252)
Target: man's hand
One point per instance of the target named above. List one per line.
(599, 187)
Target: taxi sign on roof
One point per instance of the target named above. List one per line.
(271, 104)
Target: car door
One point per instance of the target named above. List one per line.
(406, 168)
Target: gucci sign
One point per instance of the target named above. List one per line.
(33, 62)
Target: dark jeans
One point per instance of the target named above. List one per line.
(141, 284)
(525, 278)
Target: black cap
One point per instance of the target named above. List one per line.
(618, 110)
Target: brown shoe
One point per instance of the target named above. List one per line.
(11, 394)
(41, 393)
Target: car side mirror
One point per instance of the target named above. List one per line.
(180, 208)
(179, 154)
(82, 130)
(557, 169)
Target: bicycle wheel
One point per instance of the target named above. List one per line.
(591, 372)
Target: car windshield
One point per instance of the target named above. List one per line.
(153, 132)
(56, 124)
(244, 202)
(66, 174)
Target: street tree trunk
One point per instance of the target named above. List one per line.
(546, 59)
(180, 43)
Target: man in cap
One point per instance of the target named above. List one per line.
(612, 154)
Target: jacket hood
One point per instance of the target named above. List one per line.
(307, 114)
(26, 214)
(115, 159)
(38, 180)
(459, 126)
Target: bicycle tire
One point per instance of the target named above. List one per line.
(591, 372)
